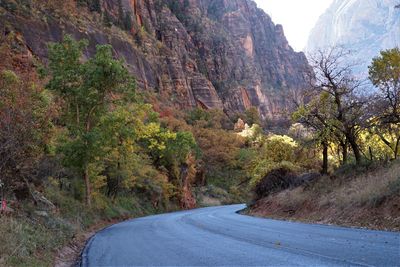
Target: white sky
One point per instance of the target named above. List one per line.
(298, 17)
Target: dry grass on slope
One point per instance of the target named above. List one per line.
(370, 199)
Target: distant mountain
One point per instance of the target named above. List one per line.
(363, 26)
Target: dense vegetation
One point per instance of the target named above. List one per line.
(79, 144)
(81, 133)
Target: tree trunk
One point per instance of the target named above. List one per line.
(324, 158)
(396, 148)
(88, 187)
(85, 172)
(389, 145)
(344, 152)
(355, 148)
(371, 155)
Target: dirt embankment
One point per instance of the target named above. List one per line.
(370, 200)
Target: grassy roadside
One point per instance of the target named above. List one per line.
(363, 197)
(35, 236)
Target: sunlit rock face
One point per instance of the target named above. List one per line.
(363, 26)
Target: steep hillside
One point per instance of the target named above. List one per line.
(364, 26)
(210, 53)
(352, 197)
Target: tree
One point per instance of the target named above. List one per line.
(25, 124)
(252, 116)
(316, 114)
(126, 133)
(88, 90)
(276, 152)
(384, 73)
(335, 78)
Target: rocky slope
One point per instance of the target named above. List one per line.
(364, 26)
(210, 53)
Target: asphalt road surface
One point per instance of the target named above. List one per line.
(218, 236)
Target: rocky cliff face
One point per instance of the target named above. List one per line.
(224, 54)
(363, 26)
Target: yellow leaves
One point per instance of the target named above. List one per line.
(278, 151)
(9, 77)
(155, 136)
(97, 180)
(130, 182)
(385, 69)
(299, 113)
(324, 96)
(282, 139)
(252, 132)
(373, 140)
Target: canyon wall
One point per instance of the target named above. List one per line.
(223, 54)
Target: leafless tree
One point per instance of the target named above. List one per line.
(333, 77)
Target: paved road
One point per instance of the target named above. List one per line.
(218, 236)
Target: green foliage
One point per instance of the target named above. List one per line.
(251, 116)
(276, 152)
(384, 71)
(198, 114)
(214, 119)
(279, 148)
(111, 139)
(180, 147)
(381, 141)
(89, 90)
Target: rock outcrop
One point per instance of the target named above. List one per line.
(223, 54)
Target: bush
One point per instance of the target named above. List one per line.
(275, 181)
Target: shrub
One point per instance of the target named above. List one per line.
(275, 181)
(263, 168)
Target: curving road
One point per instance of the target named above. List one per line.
(218, 236)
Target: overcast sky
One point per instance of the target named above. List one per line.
(297, 17)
